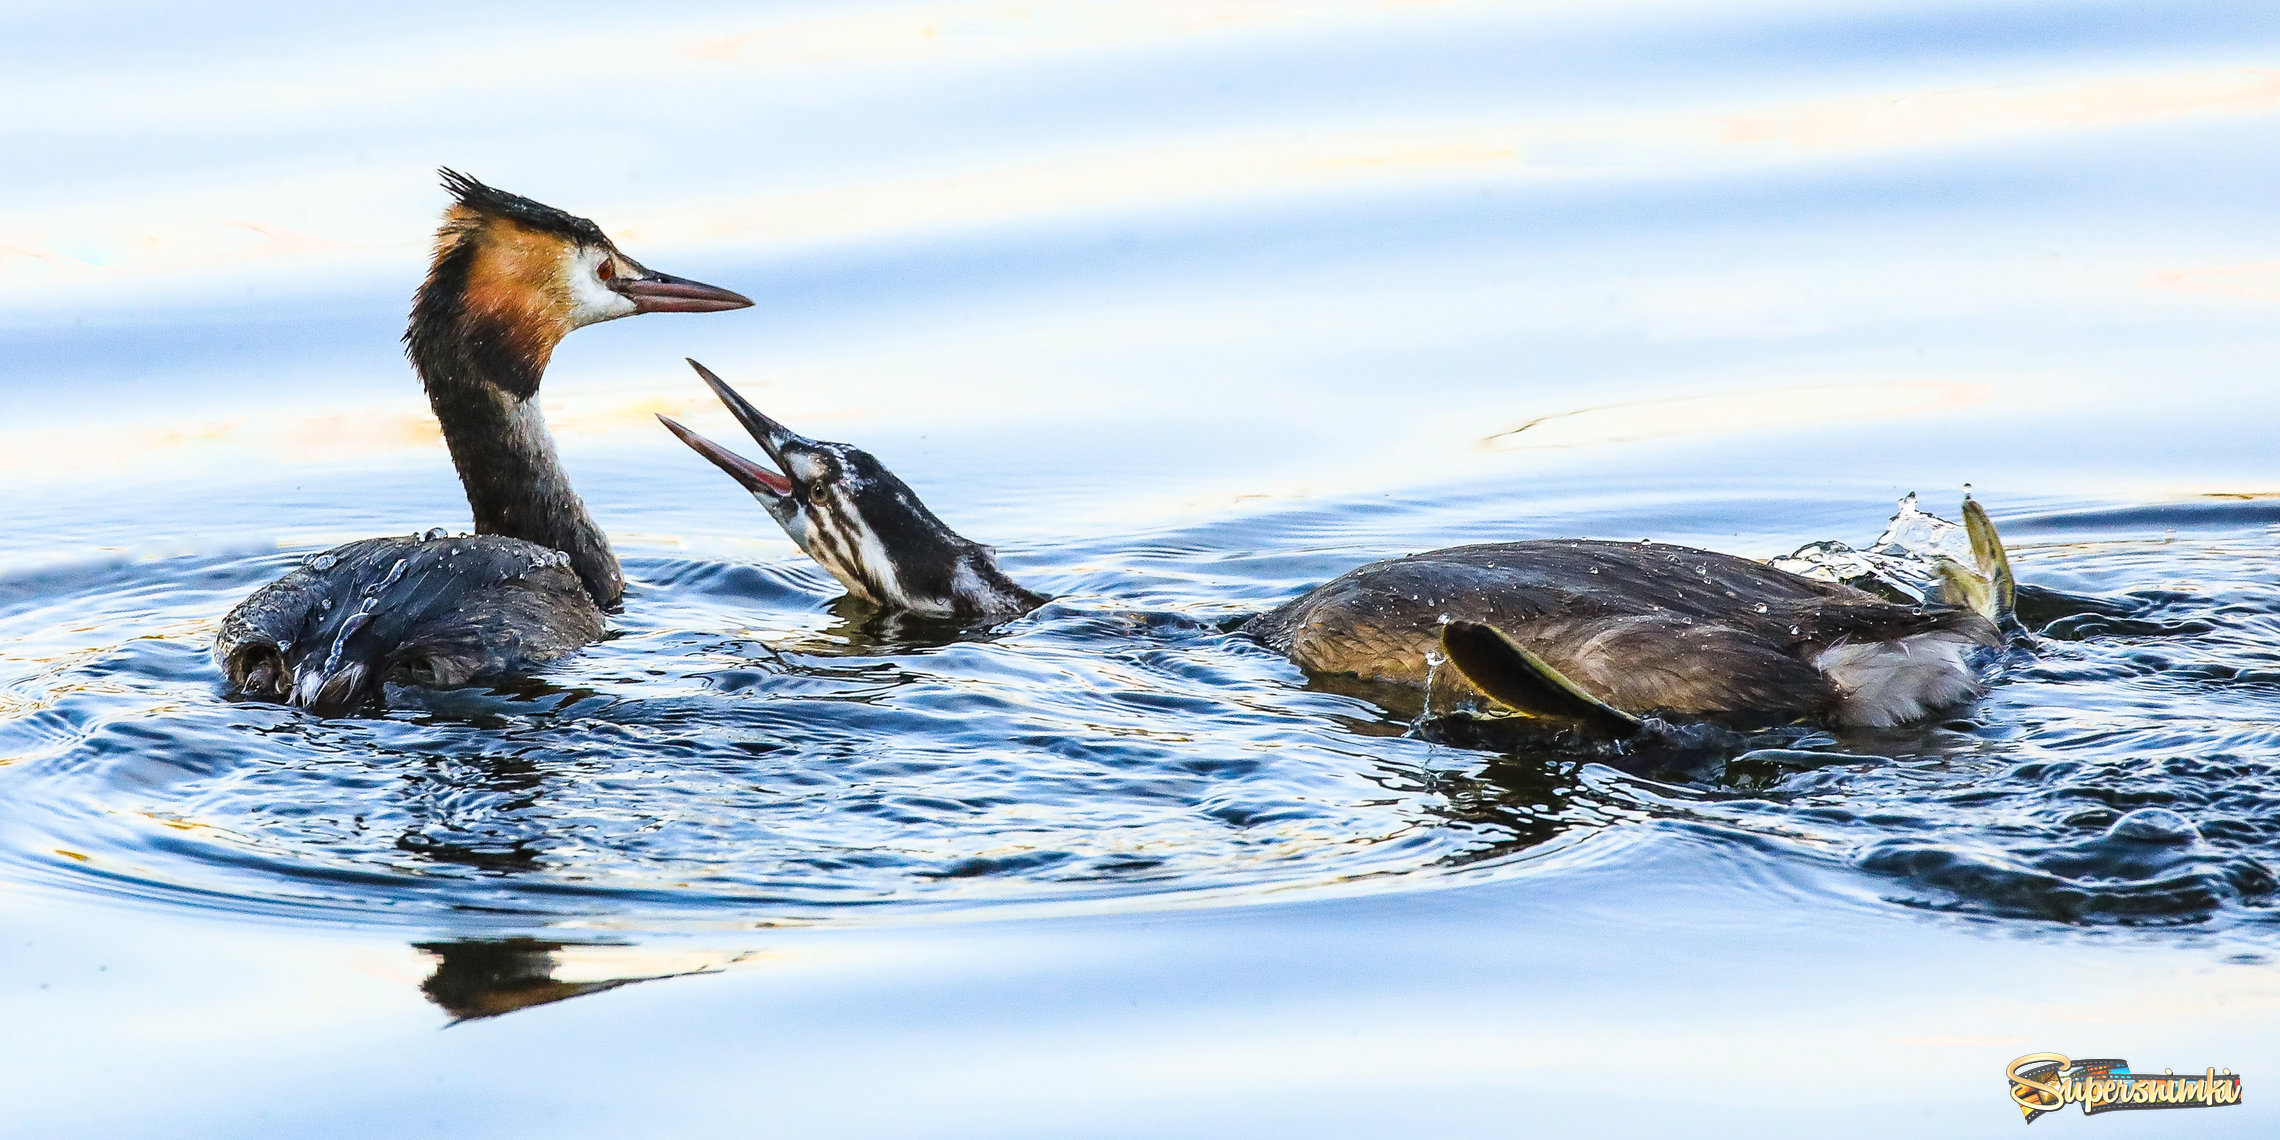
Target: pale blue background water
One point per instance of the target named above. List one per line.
(1234, 278)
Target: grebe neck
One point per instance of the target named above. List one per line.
(481, 373)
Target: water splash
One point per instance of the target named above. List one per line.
(1902, 564)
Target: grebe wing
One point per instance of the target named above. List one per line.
(431, 611)
(1523, 682)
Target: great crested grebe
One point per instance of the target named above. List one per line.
(509, 279)
(1594, 635)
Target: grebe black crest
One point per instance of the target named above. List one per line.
(860, 522)
(1594, 635)
(510, 277)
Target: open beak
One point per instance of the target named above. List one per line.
(751, 476)
(654, 292)
(772, 436)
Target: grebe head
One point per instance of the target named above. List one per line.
(860, 522)
(511, 277)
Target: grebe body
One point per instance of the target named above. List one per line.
(510, 277)
(1643, 627)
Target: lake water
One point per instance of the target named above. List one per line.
(1184, 307)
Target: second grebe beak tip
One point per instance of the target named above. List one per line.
(749, 475)
(772, 436)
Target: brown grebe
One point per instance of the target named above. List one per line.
(1581, 633)
(509, 279)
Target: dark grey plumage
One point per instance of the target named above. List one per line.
(418, 610)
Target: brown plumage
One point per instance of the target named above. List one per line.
(1644, 627)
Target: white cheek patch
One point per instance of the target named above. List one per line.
(591, 300)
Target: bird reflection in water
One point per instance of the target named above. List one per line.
(484, 978)
(476, 811)
(863, 629)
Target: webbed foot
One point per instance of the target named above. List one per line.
(1989, 587)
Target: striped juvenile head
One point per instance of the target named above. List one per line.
(860, 522)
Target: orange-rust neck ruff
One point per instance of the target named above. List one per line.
(484, 325)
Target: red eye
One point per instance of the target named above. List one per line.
(605, 270)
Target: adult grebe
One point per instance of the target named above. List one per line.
(1591, 634)
(509, 279)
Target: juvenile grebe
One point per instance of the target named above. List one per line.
(862, 523)
(509, 279)
(1584, 633)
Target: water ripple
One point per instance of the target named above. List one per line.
(750, 750)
